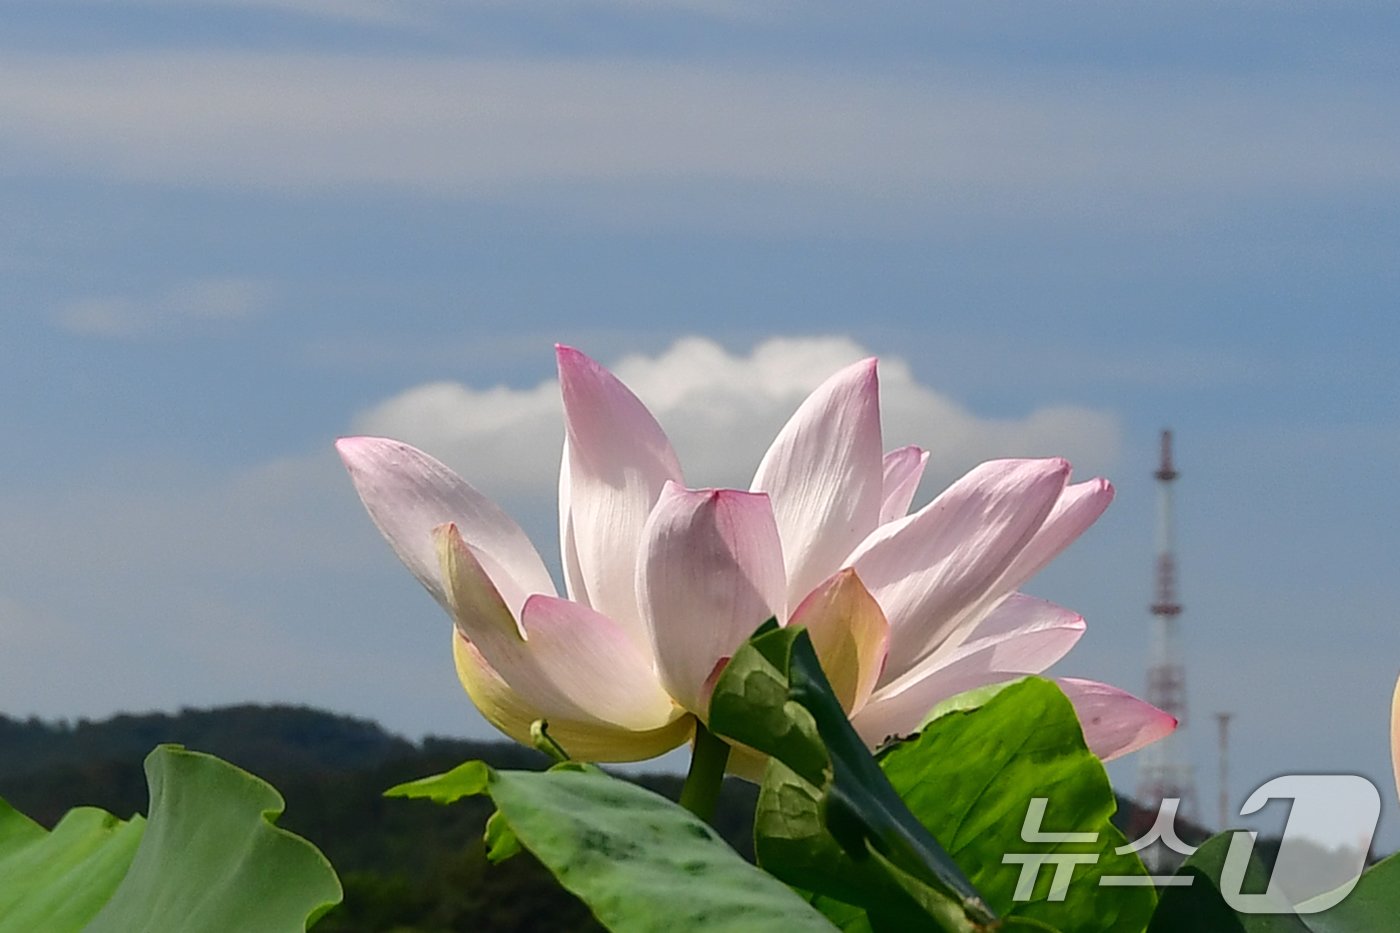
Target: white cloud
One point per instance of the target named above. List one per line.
(176, 308)
(721, 410)
(642, 141)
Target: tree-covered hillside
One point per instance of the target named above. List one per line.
(406, 865)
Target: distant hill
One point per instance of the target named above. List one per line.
(284, 738)
(408, 866)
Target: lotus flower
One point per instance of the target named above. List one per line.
(665, 582)
(1395, 735)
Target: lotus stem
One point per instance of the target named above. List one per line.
(702, 785)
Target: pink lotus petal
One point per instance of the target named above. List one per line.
(502, 706)
(563, 659)
(618, 458)
(568, 547)
(897, 712)
(1395, 736)
(1114, 721)
(711, 573)
(587, 741)
(1021, 636)
(482, 617)
(938, 571)
(904, 468)
(595, 664)
(1019, 617)
(408, 494)
(825, 475)
(1079, 506)
(849, 633)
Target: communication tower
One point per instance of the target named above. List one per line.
(1165, 766)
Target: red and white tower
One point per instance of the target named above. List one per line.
(1165, 766)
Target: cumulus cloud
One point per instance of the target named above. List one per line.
(721, 410)
(201, 301)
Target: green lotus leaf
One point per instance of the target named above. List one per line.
(59, 880)
(209, 858)
(970, 775)
(828, 819)
(1373, 904)
(1199, 905)
(639, 861)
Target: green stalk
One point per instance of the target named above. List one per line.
(702, 784)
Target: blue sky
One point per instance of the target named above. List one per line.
(232, 231)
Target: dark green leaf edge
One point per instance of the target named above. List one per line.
(58, 880)
(998, 746)
(774, 698)
(639, 861)
(208, 857)
(210, 852)
(1372, 906)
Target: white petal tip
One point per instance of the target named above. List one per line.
(361, 450)
(1102, 489)
(351, 447)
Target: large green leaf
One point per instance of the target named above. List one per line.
(57, 881)
(791, 839)
(828, 819)
(208, 859)
(970, 775)
(1199, 905)
(212, 859)
(1374, 904)
(639, 861)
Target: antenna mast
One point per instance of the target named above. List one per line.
(1165, 769)
(1222, 720)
